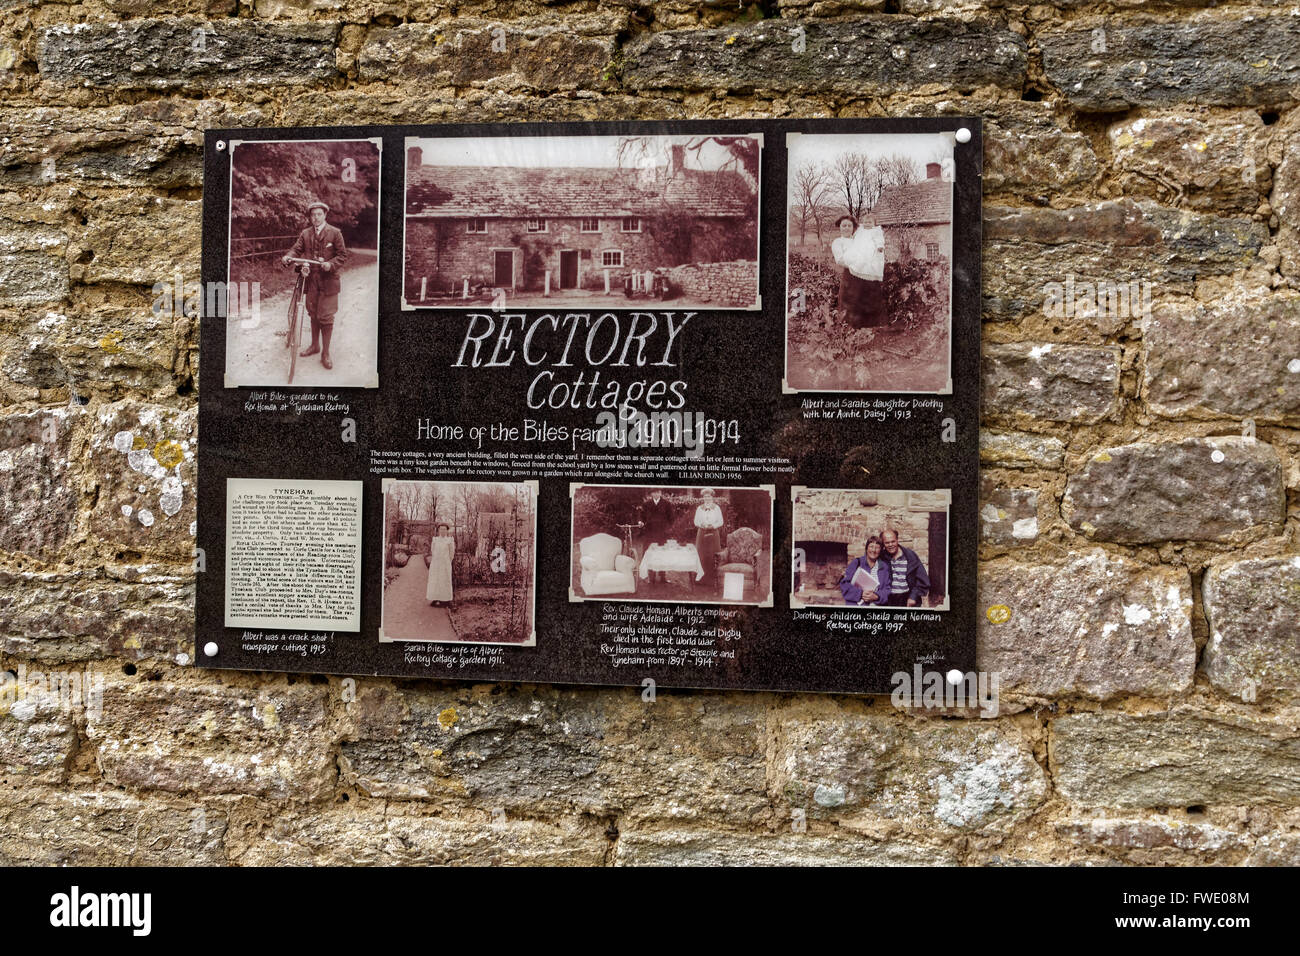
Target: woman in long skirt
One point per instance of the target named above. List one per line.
(708, 535)
(859, 252)
(441, 550)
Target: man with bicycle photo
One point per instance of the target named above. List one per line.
(323, 245)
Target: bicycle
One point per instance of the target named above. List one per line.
(629, 548)
(297, 305)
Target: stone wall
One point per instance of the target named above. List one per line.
(732, 284)
(850, 517)
(1144, 550)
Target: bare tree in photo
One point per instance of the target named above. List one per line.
(675, 224)
(898, 170)
(860, 179)
(811, 184)
(519, 552)
(640, 152)
(851, 174)
(468, 502)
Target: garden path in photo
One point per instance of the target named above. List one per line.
(408, 615)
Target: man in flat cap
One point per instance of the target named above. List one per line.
(323, 243)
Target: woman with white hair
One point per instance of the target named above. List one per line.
(708, 535)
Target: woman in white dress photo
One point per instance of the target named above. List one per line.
(708, 536)
(441, 550)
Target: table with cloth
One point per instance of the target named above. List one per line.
(671, 558)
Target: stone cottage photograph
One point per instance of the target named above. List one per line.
(604, 221)
(884, 550)
(869, 262)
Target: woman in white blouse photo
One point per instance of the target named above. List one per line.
(708, 535)
(859, 251)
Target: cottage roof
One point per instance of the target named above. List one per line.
(929, 201)
(563, 191)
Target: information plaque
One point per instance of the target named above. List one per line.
(675, 404)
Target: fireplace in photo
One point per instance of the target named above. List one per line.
(823, 564)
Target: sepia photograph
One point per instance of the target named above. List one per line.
(869, 262)
(870, 549)
(685, 545)
(303, 265)
(582, 221)
(459, 562)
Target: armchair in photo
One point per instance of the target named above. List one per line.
(605, 569)
(741, 555)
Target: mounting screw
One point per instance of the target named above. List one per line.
(210, 648)
(221, 143)
(963, 136)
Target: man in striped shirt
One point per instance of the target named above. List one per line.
(909, 583)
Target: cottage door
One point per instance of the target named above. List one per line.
(569, 269)
(503, 276)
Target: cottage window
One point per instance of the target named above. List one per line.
(590, 225)
(631, 224)
(536, 225)
(476, 225)
(612, 259)
(932, 251)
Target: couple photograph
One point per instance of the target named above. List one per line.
(459, 560)
(886, 574)
(870, 549)
(869, 262)
(665, 543)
